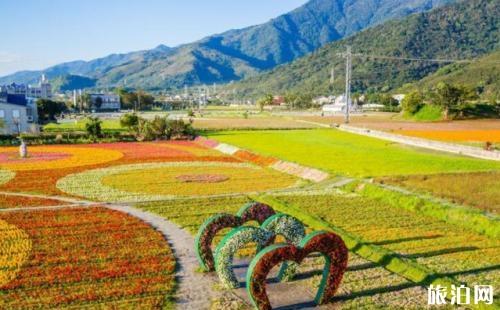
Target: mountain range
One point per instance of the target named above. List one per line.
(236, 54)
(465, 30)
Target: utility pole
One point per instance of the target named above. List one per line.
(348, 57)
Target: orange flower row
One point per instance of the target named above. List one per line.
(8, 201)
(455, 135)
(93, 255)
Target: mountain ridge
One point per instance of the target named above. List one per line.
(237, 53)
(464, 30)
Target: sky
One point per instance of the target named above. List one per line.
(37, 34)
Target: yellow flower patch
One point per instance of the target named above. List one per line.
(77, 156)
(15, 247)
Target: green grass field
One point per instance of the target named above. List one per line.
(112, 124)
(342, 153)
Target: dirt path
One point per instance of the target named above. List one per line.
(195, 290)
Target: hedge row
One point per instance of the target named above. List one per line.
(65, 138)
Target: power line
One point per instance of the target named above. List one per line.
(421, 59)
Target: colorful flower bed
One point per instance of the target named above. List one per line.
(15, 247)
(92, 258)
(159, 181)
(42, 179)
(255, 158)
(57, 157)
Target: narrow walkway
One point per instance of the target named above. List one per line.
(195, 290)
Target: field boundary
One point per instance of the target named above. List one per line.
(303, 172)
(424, 143)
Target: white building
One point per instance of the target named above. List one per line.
(17, 114)
(42, 90)
(105, 102)
(322, 100)
(339, 106)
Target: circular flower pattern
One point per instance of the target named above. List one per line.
(15, 247)
(160, 181)
(56, 157)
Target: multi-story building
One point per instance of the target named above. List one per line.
(42, 90)
(105, 102)
(17, 114)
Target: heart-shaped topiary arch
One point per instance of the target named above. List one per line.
(293, 231)
(253, 211)
(232, 242)
(331, 246)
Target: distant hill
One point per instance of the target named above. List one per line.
(241, 53)
(483, 74)
(71, 82)
(464, 30)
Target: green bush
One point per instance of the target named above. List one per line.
(428, 113)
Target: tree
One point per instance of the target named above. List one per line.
(93, 127)
(159, 126)
(450, 97)
(266, 100)
(298, 101)
(389, 102)
(48, 109)
(412, 102)
(130, 121)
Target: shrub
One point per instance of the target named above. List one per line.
(412, 103)
(93, 127)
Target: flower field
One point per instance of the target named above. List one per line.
(475, 189)
(57, 157)
(61, 256)
(10, 201)
(83, 258)
(160, 181)
(348, 154)
(442, 247)
(15, 247)
(34, 175)
(364, 284)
